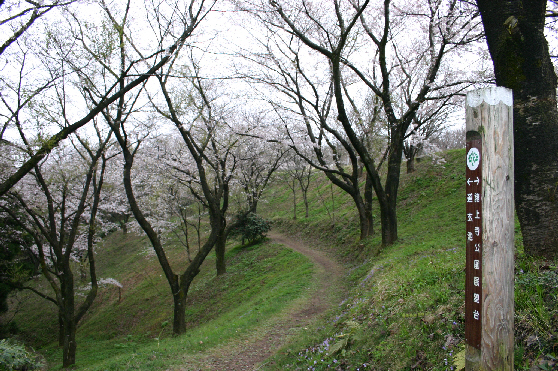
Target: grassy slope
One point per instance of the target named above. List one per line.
(406, 308)
(404, 311)
(133, 330)
(256, 287)
(406, 300)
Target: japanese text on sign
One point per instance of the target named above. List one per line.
(473, 233)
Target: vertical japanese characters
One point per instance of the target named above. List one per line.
(473, 272)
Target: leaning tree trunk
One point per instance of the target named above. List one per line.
(220, 263)
(364, 217)
(515, 36)
(153, 237)
(368, 198)
(181, 284)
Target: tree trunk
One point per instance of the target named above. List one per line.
(220, 244)
(389, 225)
(411, 165)
(68, 320)
(150, 232)
(304, 190)
(365, 230)
(305, 197)
(181, 284)
(364, 218)
(60, 327)
(515, 36)
(253, 202)
(536, 174)
(368, 198)
(410, 152)
(179, 318)
(388, 201)
(220, 264)
(254, 208)
(387, 198)
(69, 347)
(294, 199)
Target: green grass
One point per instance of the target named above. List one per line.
(261, 281)
(135, 333)
(404, 309)
(406, 301)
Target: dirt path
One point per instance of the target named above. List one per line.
(251, 353)
(328, 275)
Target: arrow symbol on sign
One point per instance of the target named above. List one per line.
(469, 181)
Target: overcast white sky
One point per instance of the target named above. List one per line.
(219, 37)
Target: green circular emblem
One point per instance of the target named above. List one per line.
(473, 159)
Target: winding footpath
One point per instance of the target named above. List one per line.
(253, 351)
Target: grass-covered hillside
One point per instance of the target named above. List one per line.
(394, 308)
(405, 309)
(131, 328)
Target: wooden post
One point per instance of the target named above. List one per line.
(489, 298)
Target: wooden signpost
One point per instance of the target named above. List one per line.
(489, 230)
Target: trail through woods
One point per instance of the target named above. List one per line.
(251, 351)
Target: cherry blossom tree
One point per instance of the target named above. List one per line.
(307, 117)
(100, 66)
(258, 160)
(18, 17)
(403, 57)
(191, 166)
(133, 126)
(204, 124)
(167, 199)
(75, 56)
(298, 172)
(450, 139)
(423, 129)
(60, 199)
(207, 171)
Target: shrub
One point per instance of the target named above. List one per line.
(250, 227)
(14, 356)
